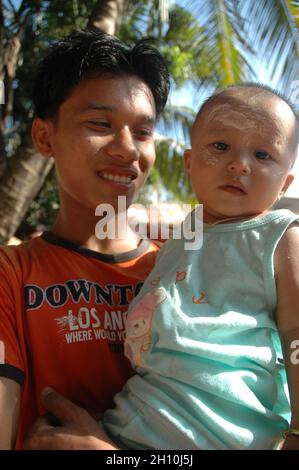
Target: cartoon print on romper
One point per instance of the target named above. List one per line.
(138, 325)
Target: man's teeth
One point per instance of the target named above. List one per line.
(117, 178)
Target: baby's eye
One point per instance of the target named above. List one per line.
(220, 146)
(262, 155)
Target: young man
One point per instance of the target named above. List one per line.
(64, 295)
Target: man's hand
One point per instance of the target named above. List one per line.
(291, 443)
(78, 430)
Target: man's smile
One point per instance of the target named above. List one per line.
(118, 175)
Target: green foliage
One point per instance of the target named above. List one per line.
(169, 163)
(180, 63)
(51, 21)
(181, 41)
(184, 47)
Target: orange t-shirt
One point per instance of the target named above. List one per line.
(62, 314)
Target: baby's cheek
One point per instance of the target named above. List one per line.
(207, 156)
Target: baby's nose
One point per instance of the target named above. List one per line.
(239, 167)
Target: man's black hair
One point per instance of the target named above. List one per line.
(90, 54)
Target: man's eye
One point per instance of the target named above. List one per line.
(144, 132)
(104, 124)
(220, 146)
(262, 155)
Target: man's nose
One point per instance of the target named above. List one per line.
(239, 166)
(123, 146)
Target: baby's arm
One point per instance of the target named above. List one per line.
(287, 316)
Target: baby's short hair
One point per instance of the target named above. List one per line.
(254, 86)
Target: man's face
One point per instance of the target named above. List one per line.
(103, 141)
(241, 156)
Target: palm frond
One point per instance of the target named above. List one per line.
(135, 21)
(177, 121)
(293, 6)
(273, 27)
(225, 46)
(170, 166)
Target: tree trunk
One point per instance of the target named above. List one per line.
(21, 183)
(10, 54)
(2, 91)
(107, 15)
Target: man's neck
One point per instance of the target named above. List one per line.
(81, 230)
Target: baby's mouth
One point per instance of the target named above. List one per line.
(233, 189)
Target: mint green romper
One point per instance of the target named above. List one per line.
(203, 339)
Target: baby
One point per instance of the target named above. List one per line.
(213, 375)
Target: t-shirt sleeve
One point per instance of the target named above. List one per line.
(11, 322)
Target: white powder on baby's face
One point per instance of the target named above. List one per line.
(207, 156)
(253, 128)
(250, 123)
(242, 119)
(225, 115)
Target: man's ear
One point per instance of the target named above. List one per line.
(187, 160)
(41, 132)
(289, 180)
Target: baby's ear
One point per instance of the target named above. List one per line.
(289, 180)
(41, 132)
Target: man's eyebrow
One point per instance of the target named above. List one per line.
(148, 119)
(151, 119)
(99, 107)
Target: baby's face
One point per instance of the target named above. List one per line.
(242, 153)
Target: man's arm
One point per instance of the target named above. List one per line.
(78, 430)
(287, 316)
(9, 412)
